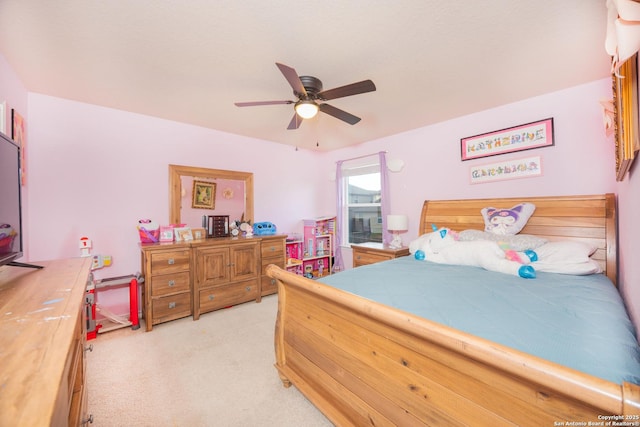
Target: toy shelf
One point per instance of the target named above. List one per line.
(317, 243)
(294, 256)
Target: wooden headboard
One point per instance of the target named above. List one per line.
(588, 219)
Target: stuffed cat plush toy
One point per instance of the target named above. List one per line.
(507, 221)
(441, 246)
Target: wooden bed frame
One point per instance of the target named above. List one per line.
(364, 363)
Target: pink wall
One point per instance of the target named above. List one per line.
(581, 162)
(95, 171)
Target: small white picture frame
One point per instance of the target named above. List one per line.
(183, 234)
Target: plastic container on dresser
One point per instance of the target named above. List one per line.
(317, 246)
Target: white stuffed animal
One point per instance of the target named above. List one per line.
(442, 247)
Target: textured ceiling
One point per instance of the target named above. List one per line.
(190, 61)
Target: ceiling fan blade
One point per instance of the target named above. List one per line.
(348, 90)
(292, 77)
(295, 122)
(339, 114)
(252, 104)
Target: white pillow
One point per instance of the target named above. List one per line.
(567, 252)
(577, 269)
(566, 257)
(518, 242)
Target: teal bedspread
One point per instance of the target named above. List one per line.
(576, 321)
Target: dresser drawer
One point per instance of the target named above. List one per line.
(279, 261)
(270, 249)
(171, 307)
(365, 258)
(371, 253)
(269, 285)
(169, 284)
(224, 296)
(170, 262)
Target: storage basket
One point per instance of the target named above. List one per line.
(148, 231)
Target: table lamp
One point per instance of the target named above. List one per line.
(396, 224)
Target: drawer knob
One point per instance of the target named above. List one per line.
(171, 261)
(211, 297)
(273, 281)
(172, 305)
(272, 248)
(172, 283)
(248, 288)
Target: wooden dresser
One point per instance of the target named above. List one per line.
(272, 251)
(370, 253)
(227, 272)
(43, 343)
(167, 282)
(184, 279)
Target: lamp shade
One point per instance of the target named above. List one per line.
(397, 222)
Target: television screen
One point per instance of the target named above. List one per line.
(10, 202)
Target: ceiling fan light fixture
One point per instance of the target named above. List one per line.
(306, 109)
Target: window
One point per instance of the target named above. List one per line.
(363, 207)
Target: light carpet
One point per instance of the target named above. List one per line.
(216, 371)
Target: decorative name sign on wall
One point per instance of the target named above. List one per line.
(524, 137)
(508, 169)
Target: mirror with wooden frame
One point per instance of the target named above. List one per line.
(225, 193)
(625, 102)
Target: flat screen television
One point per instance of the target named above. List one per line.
(10, 202)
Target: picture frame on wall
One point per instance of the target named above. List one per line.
(204, 195)
(517, 138)
(526, 167)
(625, 104)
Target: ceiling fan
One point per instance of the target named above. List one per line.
(310, 95)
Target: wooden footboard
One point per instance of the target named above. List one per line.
(363, 363)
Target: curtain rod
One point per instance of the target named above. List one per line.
(366, 155)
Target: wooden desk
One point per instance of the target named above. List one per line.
(42, 343)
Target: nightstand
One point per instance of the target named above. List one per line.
(370, 253)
